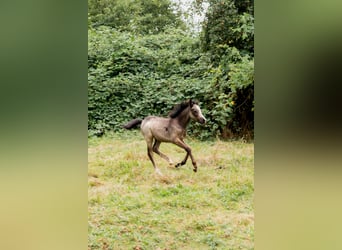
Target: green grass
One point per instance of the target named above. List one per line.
(130, 207)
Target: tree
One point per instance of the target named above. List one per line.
(228, 23)
(228, 40)
(138, 16)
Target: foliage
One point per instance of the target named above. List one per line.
(228, 36)
(233, 95)
(132, 74)
(143, 17)
(135, 76)
(228, 23)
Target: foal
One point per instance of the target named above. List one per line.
(171, 129)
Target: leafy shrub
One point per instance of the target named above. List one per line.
(132, 76)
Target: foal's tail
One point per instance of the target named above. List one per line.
(132, 124)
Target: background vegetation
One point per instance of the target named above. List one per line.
(143, 59)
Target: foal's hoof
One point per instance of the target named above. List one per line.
(178, 165)
(157, 171)
(195, 170)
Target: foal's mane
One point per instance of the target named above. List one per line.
(179, 108)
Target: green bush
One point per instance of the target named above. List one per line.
(133, 76)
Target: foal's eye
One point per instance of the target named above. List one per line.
(195, 112)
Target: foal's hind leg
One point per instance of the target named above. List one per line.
(156, 150)
(149, 141)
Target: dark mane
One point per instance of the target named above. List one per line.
(179, 108)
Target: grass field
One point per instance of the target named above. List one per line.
(130, 207)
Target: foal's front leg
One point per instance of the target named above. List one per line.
(181, 143)
(183, 161)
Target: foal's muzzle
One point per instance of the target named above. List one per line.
(202, 120)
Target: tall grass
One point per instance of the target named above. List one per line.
(130, 207)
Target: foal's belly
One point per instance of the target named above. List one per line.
(158, 127)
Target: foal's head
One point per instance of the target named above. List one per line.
(196, 113)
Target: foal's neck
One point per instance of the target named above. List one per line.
(184, 118)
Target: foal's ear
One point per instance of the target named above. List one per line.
(191, 103)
